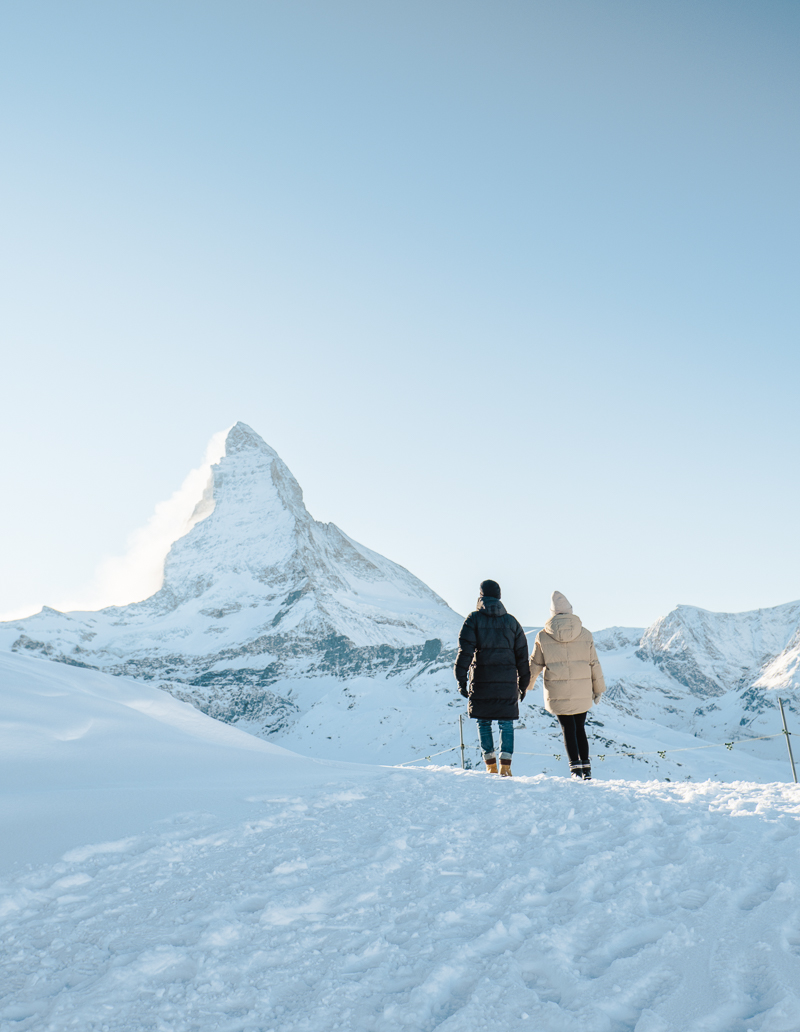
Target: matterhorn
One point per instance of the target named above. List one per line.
(257, 593)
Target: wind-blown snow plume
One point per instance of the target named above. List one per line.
(139, 571)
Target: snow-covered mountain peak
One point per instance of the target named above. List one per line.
(254, 544)
(246, 524)
(254, 578)
(712, 653)
(247, 453)
(242, 437)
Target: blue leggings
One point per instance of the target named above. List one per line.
(487, 741)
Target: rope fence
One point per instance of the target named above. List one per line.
(661, 753)
(405, 763)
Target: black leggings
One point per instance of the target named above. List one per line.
(575, 737)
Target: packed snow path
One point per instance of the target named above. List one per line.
(421, 900)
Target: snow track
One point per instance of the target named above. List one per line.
(421, 900)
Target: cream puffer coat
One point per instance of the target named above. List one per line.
(565, 651)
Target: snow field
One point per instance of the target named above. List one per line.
(421, 900)
(85, 756)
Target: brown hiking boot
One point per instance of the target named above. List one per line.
(491, 766)
(505, 769)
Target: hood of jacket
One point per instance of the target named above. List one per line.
(564, 627)
(490, 606)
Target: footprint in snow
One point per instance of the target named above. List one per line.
(692, 899)
(759, 894)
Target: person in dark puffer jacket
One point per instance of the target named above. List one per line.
(492, 672)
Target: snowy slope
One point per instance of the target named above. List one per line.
(303, 896)
(84, 755)
(388, 720)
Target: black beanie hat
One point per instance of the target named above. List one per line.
(490, 588)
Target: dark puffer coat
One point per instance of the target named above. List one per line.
(493, 653)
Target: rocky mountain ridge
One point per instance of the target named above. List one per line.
(712, 653)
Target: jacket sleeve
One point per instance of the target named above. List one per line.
(521, 657)
(466, 650)
(537, 661)
(598, 681)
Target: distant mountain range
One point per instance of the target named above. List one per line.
(292, 630)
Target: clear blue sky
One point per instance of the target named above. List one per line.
(512, 287)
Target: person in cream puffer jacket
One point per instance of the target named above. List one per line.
(573, 679)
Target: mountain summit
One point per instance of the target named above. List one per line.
(255, 592)
(255, 550)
